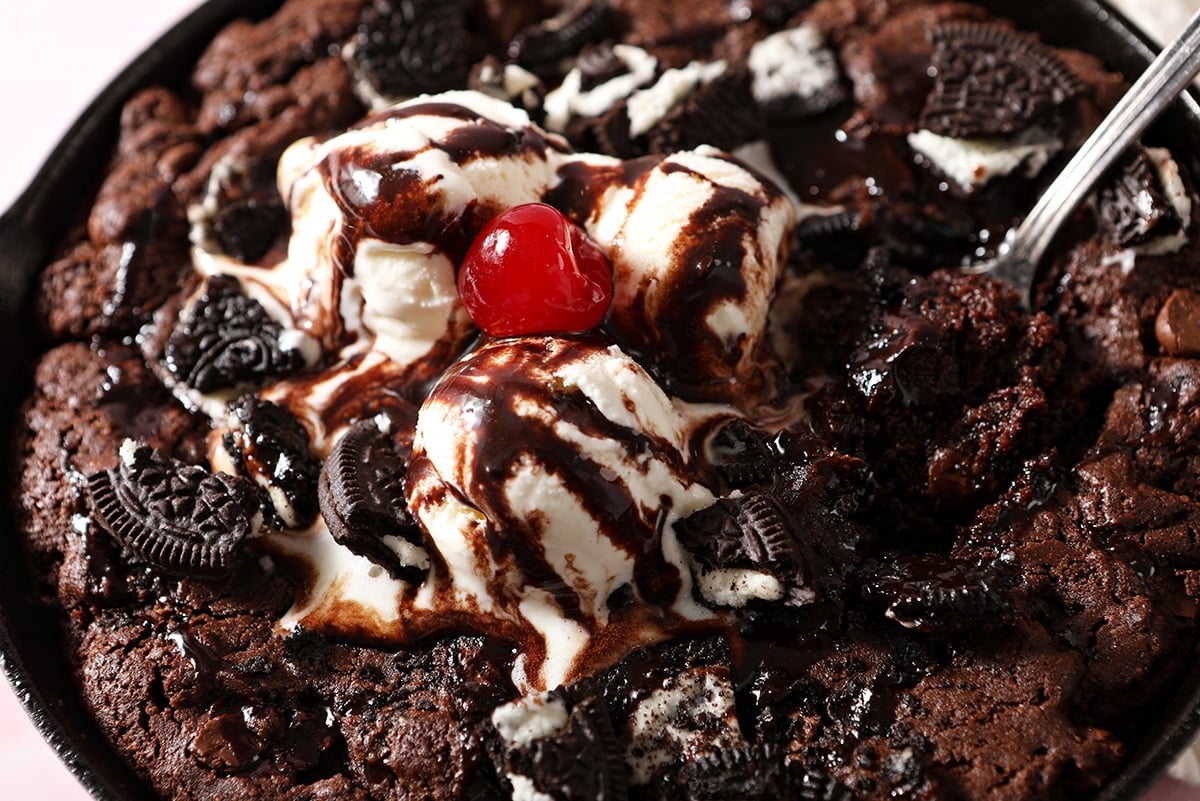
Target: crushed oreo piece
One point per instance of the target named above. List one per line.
(992, 81)
(931, 593)
(1132, 206)
(361, 492)
(743, 456)
(749, 532)
(714, 113)
(242, 214)
(599, 64)
(817, 227)
(226, 340)
(583, 762)
(543, 45)
(759, 772)
(778, 12)
(610, 132)
(794, 74)
(246, 228)
(270, 446)
(179, 517)
(405, 48)
(510, 83)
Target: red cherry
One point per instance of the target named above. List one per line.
(533, 271)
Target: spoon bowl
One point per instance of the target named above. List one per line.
(1166, 77)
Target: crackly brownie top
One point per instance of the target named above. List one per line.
(335, 508)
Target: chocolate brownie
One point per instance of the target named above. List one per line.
(338, 498)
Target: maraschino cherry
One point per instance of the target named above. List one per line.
(533, 271)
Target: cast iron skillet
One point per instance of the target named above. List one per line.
(30, 651)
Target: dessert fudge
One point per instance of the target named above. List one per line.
(582, 401)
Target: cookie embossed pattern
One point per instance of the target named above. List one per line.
(580, 716)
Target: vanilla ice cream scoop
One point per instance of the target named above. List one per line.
(548, 473)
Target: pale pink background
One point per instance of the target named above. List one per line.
(54, 56)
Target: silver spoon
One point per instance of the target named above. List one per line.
(1153, 92)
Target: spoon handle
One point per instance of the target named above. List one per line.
(1156, 89)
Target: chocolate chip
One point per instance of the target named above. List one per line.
(760, 772)
(992, 81)
(409, 47)
(225, 744)
(542, 45)
(179, 517)
(932, 593)
(1132, 206)
(361, 493)
(1177, 326)
(226, 340)
(271, 446)
(715, 113)
(584, 762)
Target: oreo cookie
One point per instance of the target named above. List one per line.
(541, 47)
(992, 81)
(269, 445)
(759, 772)
(179, 517)
(744, 456)
(510, 83)
(931, 593)
(361, 493)
(405, 48)
(225, 340)
(582, 762)
(753, 536)
(714, 113)
(243, 214)
(597, 65)
(1131, 204)
(246, 228)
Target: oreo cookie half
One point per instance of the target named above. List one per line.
(932, 593)
(361, 493)
(714, 113)
(584, 762)
(540, 47)
(992, 81)
(759, 772)
(226, 340)
(744, 550)
(406, 48)
(743, 455)
(179, 517)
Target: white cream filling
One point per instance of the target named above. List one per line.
(791, 62)
(532, 717)
(735, 587)
(972, 163)
(569, 100)
(648, 106)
